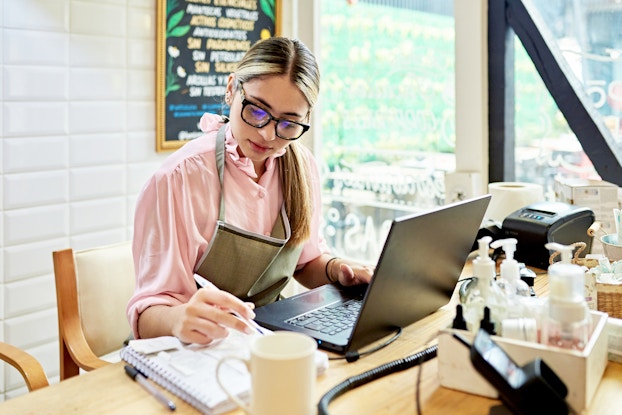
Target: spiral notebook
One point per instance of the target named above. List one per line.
(189, 371)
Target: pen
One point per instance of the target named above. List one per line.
(142, 380)
(250, 323)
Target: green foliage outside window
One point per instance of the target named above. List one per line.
(388, 85)
(387, 82)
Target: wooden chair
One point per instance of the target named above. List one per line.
(92, 290)
(29, 367)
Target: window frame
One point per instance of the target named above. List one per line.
(509, 17)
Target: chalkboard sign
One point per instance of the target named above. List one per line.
(199, 43)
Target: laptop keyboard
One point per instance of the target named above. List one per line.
(330, 319)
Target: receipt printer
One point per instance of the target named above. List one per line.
(539, 223)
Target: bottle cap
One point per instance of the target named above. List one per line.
(564, 250)
(508, 245)
(484, 245)
(509, 266)
(483, 265)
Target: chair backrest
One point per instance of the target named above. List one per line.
(29, 367)
(93, 288)
(106, 281)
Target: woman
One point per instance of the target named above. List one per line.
(239, 206)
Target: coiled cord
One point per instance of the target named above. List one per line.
(373, 374)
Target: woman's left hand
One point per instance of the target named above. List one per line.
(350, 273)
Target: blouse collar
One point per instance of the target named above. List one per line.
(242, 162)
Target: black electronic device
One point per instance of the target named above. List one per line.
(405, 287)
(537, 224)
(532, 389)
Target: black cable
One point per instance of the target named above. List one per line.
(373, 374)
(353, 356)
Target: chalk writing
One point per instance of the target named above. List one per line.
(204, 40)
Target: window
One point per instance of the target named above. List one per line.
(567, 102)
(387, 115)
(546, 147)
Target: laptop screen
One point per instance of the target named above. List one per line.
(416, 274)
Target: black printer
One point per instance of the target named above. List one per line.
(539, 223)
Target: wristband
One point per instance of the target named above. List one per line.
(326, 269)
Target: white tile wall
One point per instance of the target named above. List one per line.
(97, 116)
(32, 329)
(141, 52)
(34, 118)
(36, 15)
(97, 149)
(140, 85)
(28, 83)
(97, 51)
(77, 142)
(89, 183)
(31, 47)
(30, 225)
(97, 84)
(29, 295)
(34, 189)
(28, 261)
(29, 154)
(97, 18)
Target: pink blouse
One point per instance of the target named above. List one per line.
(177, 210)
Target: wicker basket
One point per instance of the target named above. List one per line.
(609, 295)
(610, 299)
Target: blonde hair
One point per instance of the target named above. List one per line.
(282, 56)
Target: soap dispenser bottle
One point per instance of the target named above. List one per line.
(482, 291)
(568, 321)
(510, 282)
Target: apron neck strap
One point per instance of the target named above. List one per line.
(220, 164)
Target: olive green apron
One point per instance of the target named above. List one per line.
(251, 266)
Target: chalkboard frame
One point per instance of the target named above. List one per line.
(164, 143)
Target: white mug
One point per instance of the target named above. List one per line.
(283, 375)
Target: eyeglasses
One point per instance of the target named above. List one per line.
(257, 117)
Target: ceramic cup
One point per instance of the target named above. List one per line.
(612, 248)
(283, 375)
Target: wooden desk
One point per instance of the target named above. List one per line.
(109, 391)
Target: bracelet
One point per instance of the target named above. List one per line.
(326, 269)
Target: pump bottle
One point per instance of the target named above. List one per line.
(568, 321)
(510, 281)
(483, 290)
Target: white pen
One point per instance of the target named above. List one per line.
(250, 323)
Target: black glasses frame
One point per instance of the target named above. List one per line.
(245, 103)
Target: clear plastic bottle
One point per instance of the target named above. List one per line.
(568, 321)
(515, 291)
(510, 281)
(483, 290)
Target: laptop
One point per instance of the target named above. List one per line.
(416, 274)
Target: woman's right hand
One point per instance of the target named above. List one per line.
(208, 316)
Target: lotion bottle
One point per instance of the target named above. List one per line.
(483, 290)
(568, 321)
(515, 291)
(510, 281)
